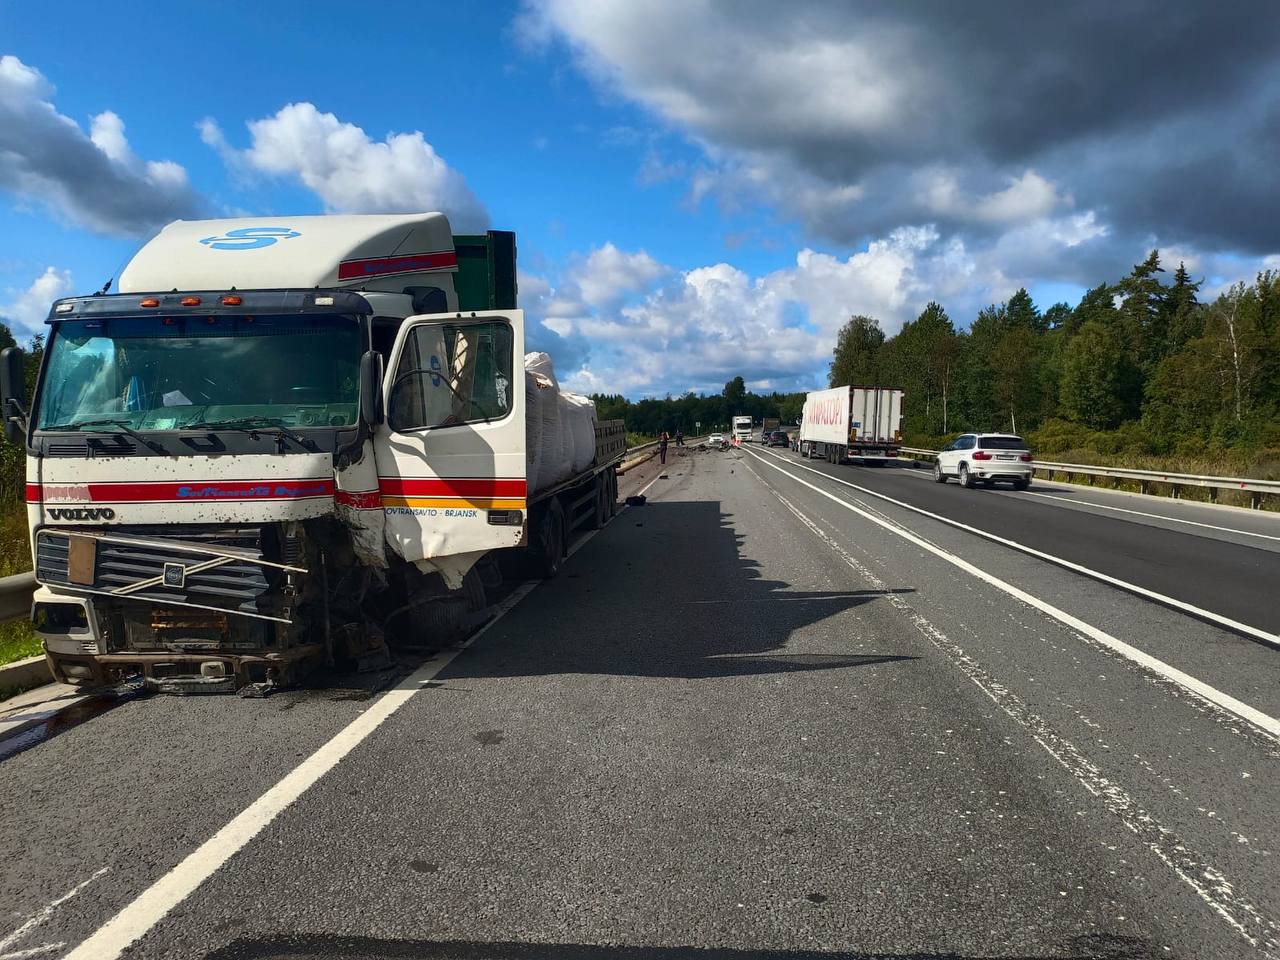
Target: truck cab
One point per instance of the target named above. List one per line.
(274, 432)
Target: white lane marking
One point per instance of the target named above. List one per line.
(32, 951)
(1199, 688)
(45, 912)
(1155, 516)
(1206, 880)
(1270, 639)
(136, 918)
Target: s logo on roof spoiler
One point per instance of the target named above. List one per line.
(249, 238)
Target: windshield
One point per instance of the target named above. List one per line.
(163, 373)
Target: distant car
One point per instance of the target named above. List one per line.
(985, 458)
(716, 441)
(778, 438)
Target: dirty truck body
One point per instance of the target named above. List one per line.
(284, 442)
(852, 423)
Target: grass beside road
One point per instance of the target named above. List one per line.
(17, 640)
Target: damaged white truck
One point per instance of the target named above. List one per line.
(292, 441)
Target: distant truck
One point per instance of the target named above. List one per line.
(767, 426)
(287, 441)
(852, 423)
(742, 429)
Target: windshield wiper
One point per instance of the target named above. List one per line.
(249, 424)
(124, 428)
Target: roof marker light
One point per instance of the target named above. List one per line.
(324, 301)
(149, 302)
(191, 301)
(64, 308)
(232, 301)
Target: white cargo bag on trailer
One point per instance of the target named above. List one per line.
(582, 424)
(555, 461)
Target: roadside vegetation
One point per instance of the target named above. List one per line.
(1140, 373)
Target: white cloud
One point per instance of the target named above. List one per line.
(95, 180)
(699, 327)
(348, 170)
(610, 275)
(28, 308)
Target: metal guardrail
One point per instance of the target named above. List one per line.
(1257, 489)
(15, 596)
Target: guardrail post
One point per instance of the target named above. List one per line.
(1144, 486)
(1255, 500)
(1174, 488)
(1213, 494)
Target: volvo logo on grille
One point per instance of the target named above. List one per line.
(175, 575)
(81, 513)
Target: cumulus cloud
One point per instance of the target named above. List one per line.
(26, 310)
(856, 118)
(694, 329)
(350, 171)
(94, 180)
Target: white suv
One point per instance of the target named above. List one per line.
(985, 457)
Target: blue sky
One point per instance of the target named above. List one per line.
(694, 195)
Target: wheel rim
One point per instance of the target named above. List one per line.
(964, 475)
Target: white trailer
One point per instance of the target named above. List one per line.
(852, 423)
(286, 441)
(742, 429)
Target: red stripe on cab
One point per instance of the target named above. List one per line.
(414, 262)
(359, 499)
(465, 487)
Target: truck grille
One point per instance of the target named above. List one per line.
(234, 580)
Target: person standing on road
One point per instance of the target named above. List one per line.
(662, 447)
(679, 437)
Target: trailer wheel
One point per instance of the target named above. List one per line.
(600, 504)
(550, 541)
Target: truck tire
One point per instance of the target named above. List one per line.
(600, 503)
(549, 550)
(611, 488)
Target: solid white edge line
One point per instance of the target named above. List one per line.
(1270, 639)
(1154, 516)
(1262, 721)
(140, 915)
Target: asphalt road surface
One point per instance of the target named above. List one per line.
(764, 715)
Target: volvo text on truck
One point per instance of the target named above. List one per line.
(291, 441)
(852, 423)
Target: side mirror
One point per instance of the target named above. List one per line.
(372, 410)
(13, 394)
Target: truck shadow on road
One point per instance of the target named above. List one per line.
(667, 590)
(1095, 947)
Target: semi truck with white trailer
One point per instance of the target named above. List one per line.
(289, 441)
(852, 423)
(742, 429)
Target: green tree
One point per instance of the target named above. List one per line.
(1015, 385)
(854, 359)
(1183, 318)
(1092, 377)
(735, 391)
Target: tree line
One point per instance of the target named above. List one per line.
(1142, 358)
(1139, 365)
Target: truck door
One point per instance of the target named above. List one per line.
(451, 451)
